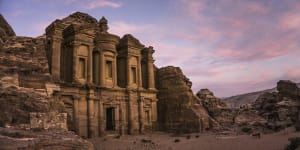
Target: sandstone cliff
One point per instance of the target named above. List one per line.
(216, 108)
(179, 110)
(281, 109)
(6, 30)
(24, 88)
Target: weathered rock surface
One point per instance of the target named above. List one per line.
(17, 103)
(23, 59)
(216, 108)
(54, 139)
(213, 105)
(5, 31)
(280, 109)
(288, 88)
(179, 110)
(247, 98)
(294, 144)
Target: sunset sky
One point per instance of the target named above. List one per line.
(228, 46)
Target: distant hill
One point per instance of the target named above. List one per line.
(236, 101)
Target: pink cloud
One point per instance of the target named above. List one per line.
(121, 28)
(290, 20)
(294, 73)
(92, 4)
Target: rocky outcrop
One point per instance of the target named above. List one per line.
(216, 108)
(288, 88)
(294, 144)
(213, 105)
(280, 109)
(179, 110)
(17, 103)
(57, 139)
(23, 59)
(5, 31)
(26, 107)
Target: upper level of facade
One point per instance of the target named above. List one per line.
(80, 50)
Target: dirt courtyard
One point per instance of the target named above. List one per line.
(163, 141)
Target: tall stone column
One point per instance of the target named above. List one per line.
(75, 112)
(140, 82)
(130, 114)
(90, 65)
(141, 117)
(122, 118)
(75, 62)
(91, 115)
(128, 71)
(154, 114)
(102, 69)
(55, 58)
(115, 72)
(101, 117)
(151, 82)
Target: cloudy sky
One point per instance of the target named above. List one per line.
(228, 46)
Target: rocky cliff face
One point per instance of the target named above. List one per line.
(216, 108)
(6, 30)
(24, 77)
(247, 98)
(281, 109)
(179, 110)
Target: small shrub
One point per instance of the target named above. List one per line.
(176, 140)
(246, 129)
(297, 127)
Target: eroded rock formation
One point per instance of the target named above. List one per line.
(216, 108)
(53, 139)
(179, 110)
(26, 88)
(280, 109)
(6, 31)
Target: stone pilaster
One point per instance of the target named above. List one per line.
(139, 73)
(141, 116)
(55, 58)
(102, 69)
(101, 117)
(90, 65)
(130, 114)
(75, 62)
(92, 125)
(128, 72)
(115, 71)
(75, 112)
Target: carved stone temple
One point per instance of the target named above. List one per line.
(106, 82)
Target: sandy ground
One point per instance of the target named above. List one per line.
(163, 141)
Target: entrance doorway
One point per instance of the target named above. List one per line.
(110, 118)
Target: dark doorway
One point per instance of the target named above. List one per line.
(110, 118)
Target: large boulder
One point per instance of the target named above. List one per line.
(179, 110)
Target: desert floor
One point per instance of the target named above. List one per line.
(163, 141)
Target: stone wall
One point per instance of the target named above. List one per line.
(178, 109)
(48, 120)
